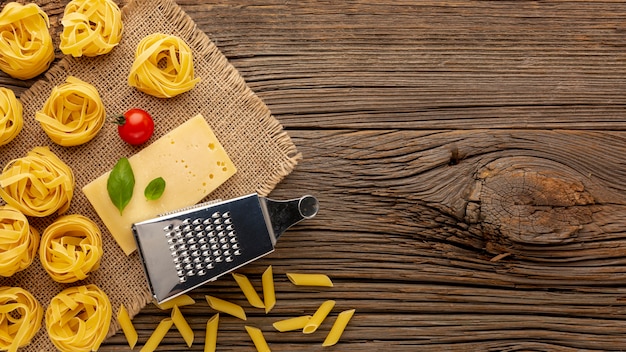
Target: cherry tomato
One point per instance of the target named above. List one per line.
(135, 126)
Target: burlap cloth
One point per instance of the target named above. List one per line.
(254, 139)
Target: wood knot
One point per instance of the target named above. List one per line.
(520, 202)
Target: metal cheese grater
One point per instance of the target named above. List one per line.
(186, 249)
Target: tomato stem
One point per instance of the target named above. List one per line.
(119, 119)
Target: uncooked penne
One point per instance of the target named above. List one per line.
(318, 317)
(291, 324)
(223, 306)
(157, 335)
(210, 342)
(269, 294)
(248, 290)
(299, 279)
(123, 318)
(257, 338)
(338, 327)
(183, 327)
(182, 300)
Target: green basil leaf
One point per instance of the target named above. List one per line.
(120, 184)
(154, 189)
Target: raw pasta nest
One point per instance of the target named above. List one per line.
(73, 114)
(11, 118)
(26, 47)
(163, 66)
(20, 317)
(18, 241)
(90, 27)
(71, 248)
(38, 184)
(78, 318)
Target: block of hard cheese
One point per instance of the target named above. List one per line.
(190, 159)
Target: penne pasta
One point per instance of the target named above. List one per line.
(248, 290)
(291, 324)
(226, 307)
(157, 335)
(338, 327)
(183, 327)
(269, 294)
(127, 326)
(210, 342)
(180, 301)
(257, 338)
(310, 279)
(318, 317)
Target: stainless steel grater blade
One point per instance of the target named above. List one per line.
(186, 249)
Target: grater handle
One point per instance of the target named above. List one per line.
(285, 213)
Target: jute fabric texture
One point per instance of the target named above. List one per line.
(256, 142)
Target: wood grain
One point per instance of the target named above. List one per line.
(469, 161)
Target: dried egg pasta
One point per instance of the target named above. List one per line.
(73, 114)
(20, 318)
(26, 47)
(38, 184)
(11, 118)
(90, 27)
(163, 66)
(78, 318)
(18, 241)
(71, 247)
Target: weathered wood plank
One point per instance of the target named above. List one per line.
(392, 234)
(423, 65)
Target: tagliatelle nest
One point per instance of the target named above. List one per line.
(90, 27)
(73, 114)
(38, 184)
(78, 318)
(26, 47)
(163, 66)
(18, 241)
(11, 116)
(71, 248)
(20, 317)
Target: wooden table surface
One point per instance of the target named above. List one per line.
(468, 157)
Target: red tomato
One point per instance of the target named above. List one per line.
(135, 126)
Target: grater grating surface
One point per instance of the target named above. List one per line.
(186, 249)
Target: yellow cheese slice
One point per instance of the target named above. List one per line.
(190, 159)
